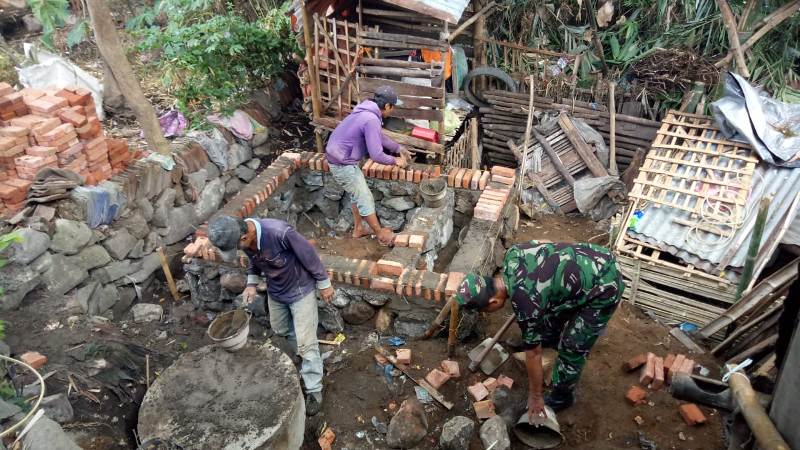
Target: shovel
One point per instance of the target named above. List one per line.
(497, 355)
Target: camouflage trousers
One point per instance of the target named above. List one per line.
(573, 334)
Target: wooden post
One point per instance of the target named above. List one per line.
(176, 296)
(767, 436)
(113, 53)
(733, 37)
(612, 132)
(755, 245)
(475, 156)
(453, 335)
(444, 86)
(316, 102)
(479, 34)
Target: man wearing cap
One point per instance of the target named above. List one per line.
(294, 273)
(563, 295)
(356, 136)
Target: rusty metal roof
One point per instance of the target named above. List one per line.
(449, 10)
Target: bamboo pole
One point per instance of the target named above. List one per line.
(767, 25)
(473, 144)
(733, 37)
(316, 102)
(176, 296)
(767, 436)
(453, 335)
(596, 38)
(755, 245)
(612, 119)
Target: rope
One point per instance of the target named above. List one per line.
(38, 401)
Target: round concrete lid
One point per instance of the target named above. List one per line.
(210, 398)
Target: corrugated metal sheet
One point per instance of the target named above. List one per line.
(657, 225)
(449, 10)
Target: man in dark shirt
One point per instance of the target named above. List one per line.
(294, 273)
(563, 296)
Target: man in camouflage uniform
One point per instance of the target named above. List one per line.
(563, 296)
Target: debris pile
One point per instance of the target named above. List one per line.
(55, 128)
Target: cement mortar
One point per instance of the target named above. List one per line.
(213, 399)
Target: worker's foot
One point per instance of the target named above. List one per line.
(559, 399)
(359, 232)
(386, 237)
(313, 403)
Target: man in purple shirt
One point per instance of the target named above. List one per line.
(356, 136)
(294, 273)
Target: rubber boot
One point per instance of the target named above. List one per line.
(559, 399)
(313, 403)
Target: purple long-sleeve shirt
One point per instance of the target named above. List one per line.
(359, 134)
(288, 261)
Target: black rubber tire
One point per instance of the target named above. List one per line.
(488, 71)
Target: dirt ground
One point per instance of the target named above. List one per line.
(356, 389)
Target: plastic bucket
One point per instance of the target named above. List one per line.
(546, 435)
(433, 192)
(229, 330)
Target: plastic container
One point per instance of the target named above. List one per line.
(426, 134)
(229, 330)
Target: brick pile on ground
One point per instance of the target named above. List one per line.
(52, 128)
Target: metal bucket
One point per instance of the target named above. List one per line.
(229, 330)
(546, 435)
(434, 191)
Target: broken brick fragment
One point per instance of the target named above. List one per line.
(34, 359)
(451, 368)
(636, 396)
(484, 409)
(478, 391)
(404, 355)
(437, 378)
(503, 380)
(635, 362)
(490, 383)
(691, 414)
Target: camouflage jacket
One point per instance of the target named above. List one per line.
(548, 281)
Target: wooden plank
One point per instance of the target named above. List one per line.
(418, 114)
(399, 72)
(371, 84)
(383, 62)
(409, 102)
(583, 149)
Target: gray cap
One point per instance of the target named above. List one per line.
(224, 233)
(388, 94)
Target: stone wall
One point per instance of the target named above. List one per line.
(103, 270)
(400, 292)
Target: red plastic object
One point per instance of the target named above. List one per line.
(426, 134)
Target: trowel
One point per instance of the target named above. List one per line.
(490, 355)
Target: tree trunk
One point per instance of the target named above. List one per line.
(733, 37)
(114, 55)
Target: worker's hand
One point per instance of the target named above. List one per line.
(405, 153)
(326, 294)
(536, 414)
(248, 295)
(400, 162)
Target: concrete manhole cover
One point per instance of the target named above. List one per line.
(213, 399)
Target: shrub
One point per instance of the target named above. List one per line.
(211, 62)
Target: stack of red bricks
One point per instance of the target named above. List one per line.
(468, 179)
(491, 202)
(413, 172)
(52, 128)
(655, 372)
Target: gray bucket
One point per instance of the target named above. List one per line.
(434, 191)
(229, 330)
(546, 435)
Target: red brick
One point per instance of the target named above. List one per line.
(687, 367)
(459, 178)
(395, 172)
(503, 171)
(668, 363)
(453, 281)
(675, 366)
(648, 370)
(401, 240)
(484, 409)
(503, 380)
(365, 167)
(14, 131)
(466, 179)
(387, 173)
(382, 284)
(475, 181)
(417, 176)
(691, 414)
(451, 177)
(410, 175)
(43, 152)
(417, 241)
(490, 383)
(658, 374)
(478, 391)
(504, 180)
(437, 378)
(73, 118)
(403, 355)
(5, 89)
(635, 362)
(7, 143)
(439, 291)
(388, 267)
(34, 359)
(636, 396)
(451, 368)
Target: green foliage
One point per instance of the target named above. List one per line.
(210, 61)
(2, 330)
(54, 14)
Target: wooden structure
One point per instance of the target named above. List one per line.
(691, 169)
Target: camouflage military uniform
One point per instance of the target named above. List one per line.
(563, 296)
